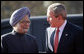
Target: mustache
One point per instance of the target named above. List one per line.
(25, 29)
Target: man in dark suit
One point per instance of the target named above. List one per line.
(18, 41)
(62, 36)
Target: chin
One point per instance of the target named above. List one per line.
(53, 26)
(25, 30)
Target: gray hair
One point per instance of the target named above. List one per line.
(58, 8)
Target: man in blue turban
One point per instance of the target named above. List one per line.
(18, 41)
(18, 15)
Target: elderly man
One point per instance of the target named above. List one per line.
(18, 41)
(62, 36)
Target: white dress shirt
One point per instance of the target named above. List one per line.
(61, 28)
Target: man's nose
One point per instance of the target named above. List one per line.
(27, 24)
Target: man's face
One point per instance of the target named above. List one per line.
(53, 21)
(23, 25)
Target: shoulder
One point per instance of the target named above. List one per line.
(7, 35)
(74, 27)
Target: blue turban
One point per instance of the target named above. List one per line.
(18, 15)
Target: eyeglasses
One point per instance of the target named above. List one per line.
(57, 16)
(25, 22)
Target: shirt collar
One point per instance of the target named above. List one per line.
(62, 26)
(16, 33)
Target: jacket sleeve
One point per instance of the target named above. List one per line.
(36, 46)
(79, 42)
(4, 48)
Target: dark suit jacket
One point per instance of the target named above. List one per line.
(14, 42)
(71, 40)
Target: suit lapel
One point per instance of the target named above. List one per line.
(65, 35)
(52, 38)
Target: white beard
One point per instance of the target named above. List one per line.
(25, 30)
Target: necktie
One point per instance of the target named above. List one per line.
(56, 40)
